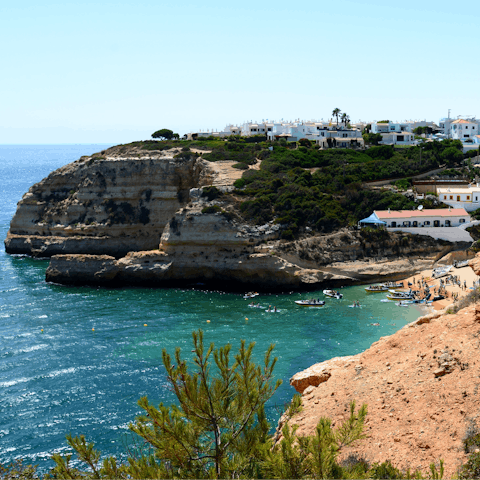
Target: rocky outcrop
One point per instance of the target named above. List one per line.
(109, 203)
(421, 385)
(220, 250)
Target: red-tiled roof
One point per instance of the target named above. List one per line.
(461, 120)
(440, 212)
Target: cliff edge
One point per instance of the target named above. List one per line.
(113, 202)
(421, 385)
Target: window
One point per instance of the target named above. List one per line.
(458, 198)
(415, 223)
(444, 197)
(451, 197)
(447, 223)
(476, 199)
(426, 223)
(400, 138)
(394, 224)
(468, 197)
(462, 220)
(436, 223)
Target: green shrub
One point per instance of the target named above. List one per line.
(211, 193)
(211, 209)
(240, 183)
(240, 166)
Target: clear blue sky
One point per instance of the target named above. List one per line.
(115, 71)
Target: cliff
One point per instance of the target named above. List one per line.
(421, 386)
(221, 250)
(112, 203)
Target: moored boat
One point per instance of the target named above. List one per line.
(310, 303)
(441, 271)
(376, 288)
(393, 285)
(333, 294)
(393, 295)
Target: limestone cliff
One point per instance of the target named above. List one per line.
(109, 203)
(207, 242)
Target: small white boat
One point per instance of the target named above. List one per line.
(393, 295)
(401, 304)
(462, 264)
(393, 285)
(310, 303)
(376, 288)
(333, 294)
(441, 271)
(250, 295)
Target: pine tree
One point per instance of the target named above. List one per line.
(220, 417)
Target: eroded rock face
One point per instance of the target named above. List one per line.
(114, 202)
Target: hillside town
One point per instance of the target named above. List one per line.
(341, 133)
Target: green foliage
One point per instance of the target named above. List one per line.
(305, 142)
(331, 197)
(471, 469)
(17, 470)
(385, 470)
(403, 184)
(383, 121)
(372, 138)
(240, 166)
(315, 456)
(211, 209)
(220, 417)
(240, 183)
(421, 130)
(211, 193)
(164, 133)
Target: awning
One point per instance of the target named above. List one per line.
(373, 219)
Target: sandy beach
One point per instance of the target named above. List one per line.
(465, 274)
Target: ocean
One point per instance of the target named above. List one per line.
(76, 360)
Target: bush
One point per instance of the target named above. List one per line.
(240, 183)
(240, 166)
(211, 193)
(211, 209)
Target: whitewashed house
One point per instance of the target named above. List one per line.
(395, 138)
(467, 197)
(444, 217)
(464, 130)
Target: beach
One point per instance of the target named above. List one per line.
(464, 274)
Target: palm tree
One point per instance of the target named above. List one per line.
(345, 119)
(336, 112)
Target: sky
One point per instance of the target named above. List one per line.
(116, 71)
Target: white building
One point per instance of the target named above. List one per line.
(444, 217)
(463, 130)
(395, 138)
(461, 197)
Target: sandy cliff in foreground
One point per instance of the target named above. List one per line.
(421, 385)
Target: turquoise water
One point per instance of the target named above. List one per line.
(70, 379)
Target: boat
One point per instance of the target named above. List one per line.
(462, 264)
(393, 295)
(376, 288)
(441, 271)
(333, 294)
(310, 303)
(393, 285)
(250, 295)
